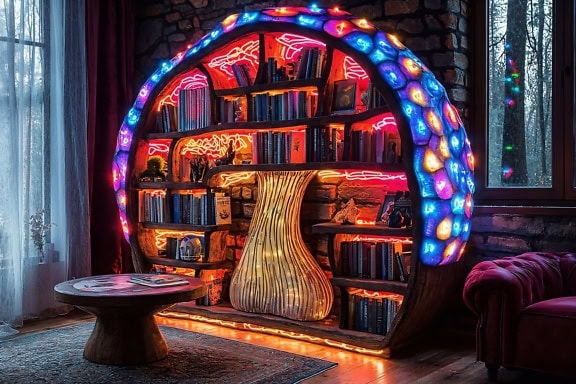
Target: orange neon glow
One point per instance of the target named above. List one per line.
(377, 294)
(282, 11)
(196, 80)
(277, 332)
(162, 234)
(363, 23)
(403, 240)
(431, 162)
(233, 178)
(394, 40)
(444, 229)
(228, 23)
(434, 122)
(215, 146)
(292, 44)
(443, 148)
(417, 95)
(352, 70)
(411, 66)
(247, 52)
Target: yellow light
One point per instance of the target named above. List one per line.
(444, 229)
(434, 122)
(277, 332)
(431, 162)
(443, 148)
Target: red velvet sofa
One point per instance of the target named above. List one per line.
(526, 309)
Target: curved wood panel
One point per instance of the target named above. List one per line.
(276, 273)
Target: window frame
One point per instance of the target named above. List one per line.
(562, 191)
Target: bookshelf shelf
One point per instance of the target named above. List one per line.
(365, 107)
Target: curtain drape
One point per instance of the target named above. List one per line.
(110, 52)
(42, 155)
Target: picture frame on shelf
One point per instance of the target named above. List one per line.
(386, 209)
(344, 96)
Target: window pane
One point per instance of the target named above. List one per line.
(520, 92)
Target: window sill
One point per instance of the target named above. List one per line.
(525, 210)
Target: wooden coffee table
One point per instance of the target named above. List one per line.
(125, 332)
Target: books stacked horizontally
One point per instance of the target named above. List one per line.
(158, 280)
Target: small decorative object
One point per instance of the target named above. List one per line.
(401, 215)
(191, 248)
(154, 170)
(344, 96)
(228, 158)
(38, 231)
(386, 209)
(198, 167)
(348, 214)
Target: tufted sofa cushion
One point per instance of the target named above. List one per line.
(526, 308)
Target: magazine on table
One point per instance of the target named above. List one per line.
(158, 280)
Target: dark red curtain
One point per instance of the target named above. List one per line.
(110, 61)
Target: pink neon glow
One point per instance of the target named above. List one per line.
(352, 70)
(292, 44)
(386, 124)
(339, 28)
(361, 175)
(442, 185)
(124, 223)
(115, 176)
(247, 52)
(158, 148)
(196, 80)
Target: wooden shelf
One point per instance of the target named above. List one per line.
(276, 124)
(186, 227)
(169, 185)
(355, 229)
(327, 329)
(371, 284)
(277, 86)
(225, 264)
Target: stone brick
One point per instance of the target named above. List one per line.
(400, 7)
(313, 211)
(236, 192)
(248, 209)
(463, 25)
(362, 194)
(451, 41)
(453, 6)
(177, 38)
(173, 17)
(412, 25)
(236, 207)
(367, 11)
(176, 2)
(509, 243)
(246, 193)
(433, 24)
(433, 4)
(199, 3)
(449, 21)
(149, 35)
(458, 94)
(454, 76)
(320, 192)
(152, 10)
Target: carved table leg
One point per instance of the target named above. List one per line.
(276, 273)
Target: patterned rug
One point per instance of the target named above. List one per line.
(55, 356)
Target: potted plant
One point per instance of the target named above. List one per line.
(38, 231)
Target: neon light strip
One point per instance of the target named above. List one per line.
(160, 148)
(293, 44)
(246, 52)
(352, 70)
(360, 175)
(276, 332)
(197, 80)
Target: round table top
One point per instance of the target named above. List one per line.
(119, 290)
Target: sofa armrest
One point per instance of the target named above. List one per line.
(497, 291)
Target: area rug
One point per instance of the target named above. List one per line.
(55, 356)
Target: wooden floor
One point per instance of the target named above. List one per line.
(443, 358)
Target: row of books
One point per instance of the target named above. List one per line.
(386, 260)
(370, 314)
(193, 109)
(375, 146)
(288, 105)
(310, 63)
(242, 74)
(279, 147)
(185, 208)
(231, 110)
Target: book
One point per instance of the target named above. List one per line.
(223, 210)
(158, 280)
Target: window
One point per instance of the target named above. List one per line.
(24, 147)
(524, 102)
